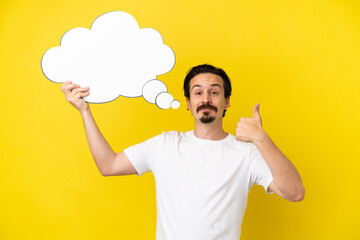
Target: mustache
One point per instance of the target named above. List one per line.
(207, 106)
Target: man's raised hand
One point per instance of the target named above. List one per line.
(74, 94)
(250, 129)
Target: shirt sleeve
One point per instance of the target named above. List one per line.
(259, 170)
(143, 155)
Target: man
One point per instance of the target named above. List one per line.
(203, 176)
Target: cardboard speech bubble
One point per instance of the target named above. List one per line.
(114, 58)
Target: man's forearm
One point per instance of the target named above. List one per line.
(285, 175)
(100, 149)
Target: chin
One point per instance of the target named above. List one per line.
(207, 119)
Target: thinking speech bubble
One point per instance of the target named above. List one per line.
(114, 58)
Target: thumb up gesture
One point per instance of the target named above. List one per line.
(250, 129)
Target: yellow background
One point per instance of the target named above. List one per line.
(299, 59)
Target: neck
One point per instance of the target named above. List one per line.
(209, 131)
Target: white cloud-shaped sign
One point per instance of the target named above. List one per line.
(114, 58)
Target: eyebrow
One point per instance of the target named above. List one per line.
(213, 85)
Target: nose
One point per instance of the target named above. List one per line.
(206, 98)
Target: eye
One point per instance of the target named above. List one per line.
(214, 93)
(197, 93)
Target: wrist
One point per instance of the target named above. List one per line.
(261, 139)
(85, 112)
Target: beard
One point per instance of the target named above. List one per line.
(206, 118)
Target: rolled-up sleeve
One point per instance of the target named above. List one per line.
(143, 155)
(260, 171)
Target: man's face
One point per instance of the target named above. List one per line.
(207, 100)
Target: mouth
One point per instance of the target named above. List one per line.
(206, 108)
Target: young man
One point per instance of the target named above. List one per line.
(203, 176)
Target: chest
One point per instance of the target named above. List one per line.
(199, 165)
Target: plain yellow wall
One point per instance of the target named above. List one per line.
(299, 59)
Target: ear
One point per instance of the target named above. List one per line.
(188, 103)
(227, 103)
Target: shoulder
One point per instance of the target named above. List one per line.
(176, 134)
(240, 144)
(171, 134)
(168, 136)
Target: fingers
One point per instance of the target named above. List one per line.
(79, 89)
(256, 113)
(78, 96)
(68, 87)
(77, 93)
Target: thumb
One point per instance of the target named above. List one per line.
(256, 113)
